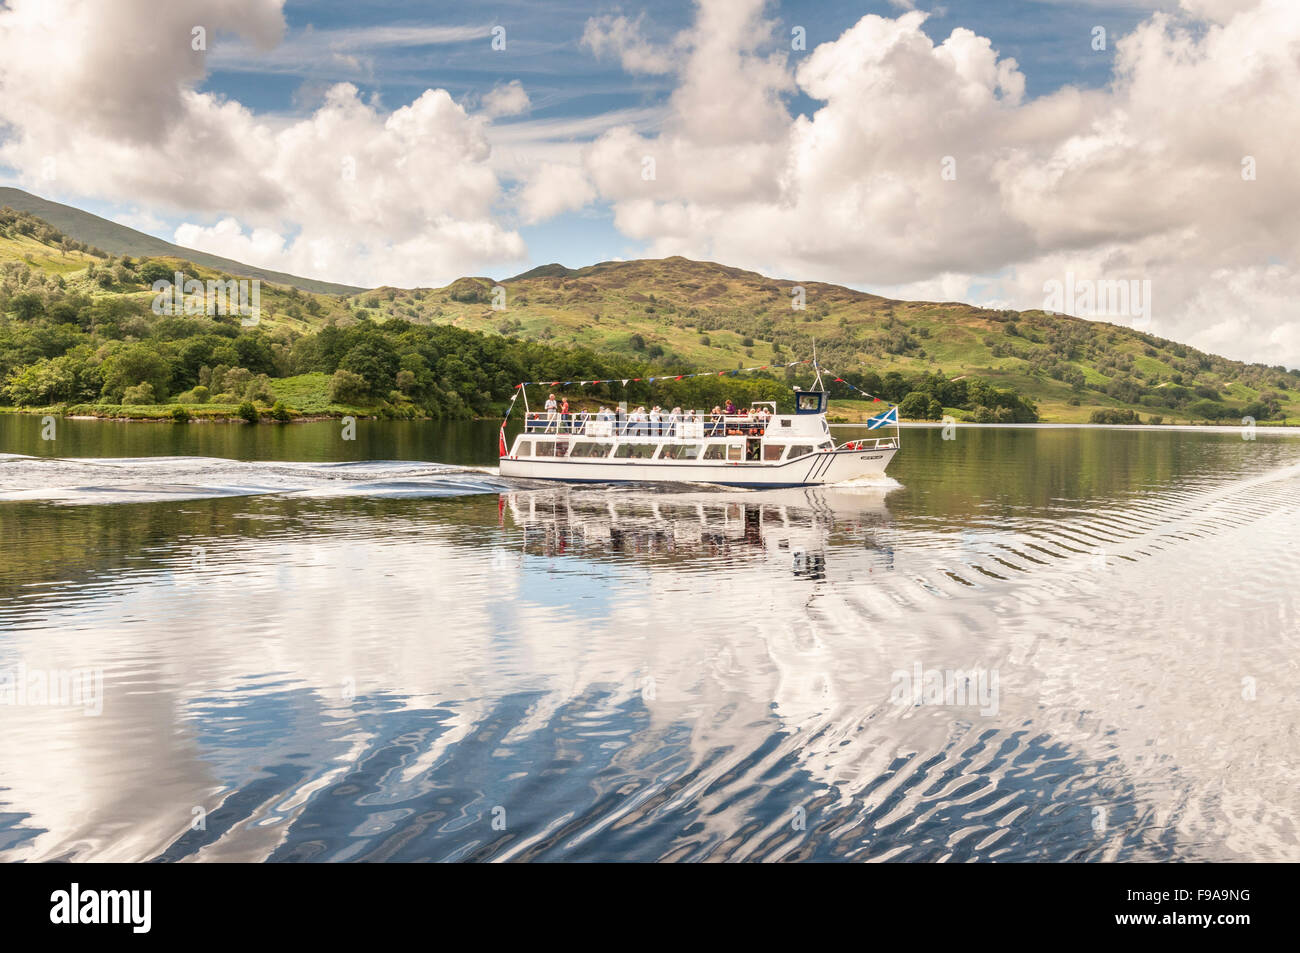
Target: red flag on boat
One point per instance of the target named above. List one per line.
(502, 436)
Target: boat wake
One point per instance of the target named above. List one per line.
(74, 481)
(873, 482)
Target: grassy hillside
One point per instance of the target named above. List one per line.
(687, 313)
(120, 240)
(660, 315)
(29, 263)
(82, 332)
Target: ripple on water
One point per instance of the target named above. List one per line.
(622, 673)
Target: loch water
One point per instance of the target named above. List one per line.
(231, 643)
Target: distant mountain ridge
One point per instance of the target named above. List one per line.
(121, 240)
(680, 313)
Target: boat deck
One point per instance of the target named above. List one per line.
(669, 426)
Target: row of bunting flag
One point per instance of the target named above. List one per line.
(669, 377)
(888, 418)
(664, 377)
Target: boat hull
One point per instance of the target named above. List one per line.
(816, 469)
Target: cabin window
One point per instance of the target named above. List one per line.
(544, 448)
(585, 448)
(828, 445)
(809, 403)
(736, 451)
(715, 451)
(773, 451)
(636, 451)
(680, 451)
(525, 448)
(799, 451)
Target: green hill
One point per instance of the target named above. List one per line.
(120, 240)
(651, 316)
(680, 313)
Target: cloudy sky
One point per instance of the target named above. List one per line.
(962, 150)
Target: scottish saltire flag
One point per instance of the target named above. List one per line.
(888, 417)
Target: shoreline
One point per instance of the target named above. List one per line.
(1277, 428)
(198, 417)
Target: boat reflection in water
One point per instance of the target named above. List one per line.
(366, 661)
(790, 527)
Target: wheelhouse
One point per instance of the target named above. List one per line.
(809, 401)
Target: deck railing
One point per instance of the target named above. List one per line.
(682, 426)
(870, 443)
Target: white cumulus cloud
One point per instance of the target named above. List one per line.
(553, 188)
(924, 166)
(507, 100)
(107, 95)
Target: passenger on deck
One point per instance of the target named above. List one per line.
(674, 417)
(731, 408)
(551, 408)
(656, 420)
(564, 413)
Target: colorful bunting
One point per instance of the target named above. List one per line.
(761, 367)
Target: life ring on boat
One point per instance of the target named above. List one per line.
(851, 445)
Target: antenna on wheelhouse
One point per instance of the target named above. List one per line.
(817, 371)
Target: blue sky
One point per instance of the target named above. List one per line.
(566, 81)
(971, 150)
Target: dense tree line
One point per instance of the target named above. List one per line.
(925, 397)
(73, 349)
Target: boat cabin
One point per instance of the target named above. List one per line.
(757, 435)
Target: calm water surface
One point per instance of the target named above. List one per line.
(296, 647)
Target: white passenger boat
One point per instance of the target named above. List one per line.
(760, 448)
